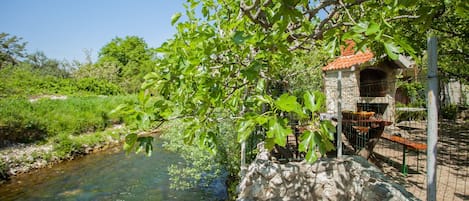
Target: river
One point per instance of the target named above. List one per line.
(107, 175)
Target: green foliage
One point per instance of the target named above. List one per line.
(24, 81)
(449, 112)
(26, 121)
(443, 19)
(318, 135)
(175, 18)
(103, 71)
(413, 115)
(231, 64)
(133, 60)
(45, 66)
(195, 167)
(64, 146)
(132, 141)
(200, 166)
(97, 86)
(277, 133)
(11, 49)
(145, 111)
(205, 85)
(415, 91)
(304, 73)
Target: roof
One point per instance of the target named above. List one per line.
(348, 57)
(344, 62)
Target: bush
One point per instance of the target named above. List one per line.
(95, 86)
(194, 171)
(415, 91)
(22, 81)
(449, 112)
(64, 146)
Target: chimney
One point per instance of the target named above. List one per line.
(348, 49)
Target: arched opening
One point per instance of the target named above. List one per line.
(373, 83)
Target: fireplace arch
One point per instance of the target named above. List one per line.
(373, 83)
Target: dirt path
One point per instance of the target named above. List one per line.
(452, 161)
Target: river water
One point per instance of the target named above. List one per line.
(108, 175)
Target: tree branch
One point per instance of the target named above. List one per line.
(403, 17)
(247, 8)
(256, 17)
(451, 33)
(346, 11)
(323, 4)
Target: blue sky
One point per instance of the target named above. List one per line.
(62, 29)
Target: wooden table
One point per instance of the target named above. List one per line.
(406, 144)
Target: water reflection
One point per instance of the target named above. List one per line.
(111, 175)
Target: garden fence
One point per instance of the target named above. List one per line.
(401, 150)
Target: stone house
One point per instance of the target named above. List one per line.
(367, 84)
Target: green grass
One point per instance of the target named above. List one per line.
(25, 121)
(23, 81)
(65, 145)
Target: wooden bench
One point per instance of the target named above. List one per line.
(406, 144)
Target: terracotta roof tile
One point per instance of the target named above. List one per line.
(347, 51)
(347, 61)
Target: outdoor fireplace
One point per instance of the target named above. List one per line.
(373, 83)
(366, 84)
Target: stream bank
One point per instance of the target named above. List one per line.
(20, 158)
(108, 175)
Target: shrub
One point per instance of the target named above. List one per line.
(95, 86)
(449, 112)
(64, 146)
(415, 91)
(194, 171)
(22, 81)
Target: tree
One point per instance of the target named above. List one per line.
(450, 26)
(11, 49)
(104, 71)
(230, 64)
(132, 57)
(46, 66)
(446, 20)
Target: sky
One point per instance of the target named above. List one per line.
(64, 29)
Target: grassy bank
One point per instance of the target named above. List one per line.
(36, 133)
(25, 121)
(22, 158)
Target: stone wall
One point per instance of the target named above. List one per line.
(349, 178)
(350, 90)
(456, 92)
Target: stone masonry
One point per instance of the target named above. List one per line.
(349, 178)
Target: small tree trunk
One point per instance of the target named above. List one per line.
(374, 134)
